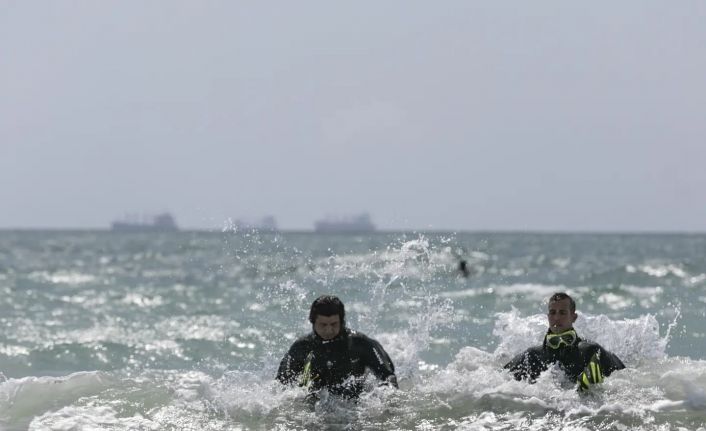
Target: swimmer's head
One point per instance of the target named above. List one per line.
(327, 315)
(561, 312)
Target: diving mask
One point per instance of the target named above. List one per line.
(566, 338)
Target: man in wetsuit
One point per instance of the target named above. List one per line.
(333, 356)
(583, 361)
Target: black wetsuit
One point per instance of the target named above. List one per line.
(334, 361)
(573, 359)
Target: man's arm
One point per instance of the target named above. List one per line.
(379, 362)
(601, 363)
(526, 365)
(610, 362)
(292, 365)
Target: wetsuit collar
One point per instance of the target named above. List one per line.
(341, 335)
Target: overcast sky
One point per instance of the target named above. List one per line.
(461, 115)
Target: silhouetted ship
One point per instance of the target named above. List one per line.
(356, 224)
(265, 224)
(160, 223)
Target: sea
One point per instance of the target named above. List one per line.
(185, 330)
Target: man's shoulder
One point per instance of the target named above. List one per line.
(528, 364)
(356, 335)
(359, 337)
(532, 354)
(589, 346)
(534, 351)
(609, 360)
(358, 340)
(303, 341)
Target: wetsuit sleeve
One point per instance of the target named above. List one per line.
(609, 362)
(526, 365)
(379, 362)
(293, 362)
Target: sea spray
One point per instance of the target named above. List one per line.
(185, 330)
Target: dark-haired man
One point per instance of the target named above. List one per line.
(333, 356)
(583, 361)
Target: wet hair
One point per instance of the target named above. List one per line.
(560, 296)
(327, 305)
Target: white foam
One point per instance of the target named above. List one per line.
(416, 259)
(245, 393)
(529, 291)
(517, 333)
(631, 339)
(654, 387)
(143, 301)
(22, 399)
(465, 293)
(472, 389)
(661, 271)
(90, 418)
(653, 391)
(14, 350)
(614, 301)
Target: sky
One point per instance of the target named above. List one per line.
(452, 115)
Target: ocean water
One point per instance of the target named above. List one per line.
(184, 331)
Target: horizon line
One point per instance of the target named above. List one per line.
(376, 231)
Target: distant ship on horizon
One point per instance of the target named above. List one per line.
(160, 223)
(360, 223)
(265, 224)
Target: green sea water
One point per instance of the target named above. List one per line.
(185, 330)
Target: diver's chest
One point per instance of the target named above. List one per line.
(338, 361)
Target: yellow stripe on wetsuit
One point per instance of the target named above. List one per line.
(307, 376)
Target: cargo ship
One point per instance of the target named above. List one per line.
(160, 223)
(353, 224)
(265, 224)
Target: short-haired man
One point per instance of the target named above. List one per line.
(333, 356)
(583, 361)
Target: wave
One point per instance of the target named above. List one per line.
(655, 392)
(22, 399)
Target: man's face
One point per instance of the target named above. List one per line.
(327, 327)
(560, 316)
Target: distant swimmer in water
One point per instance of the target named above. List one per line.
(583, 361)
(332, 356)
(463, 268)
